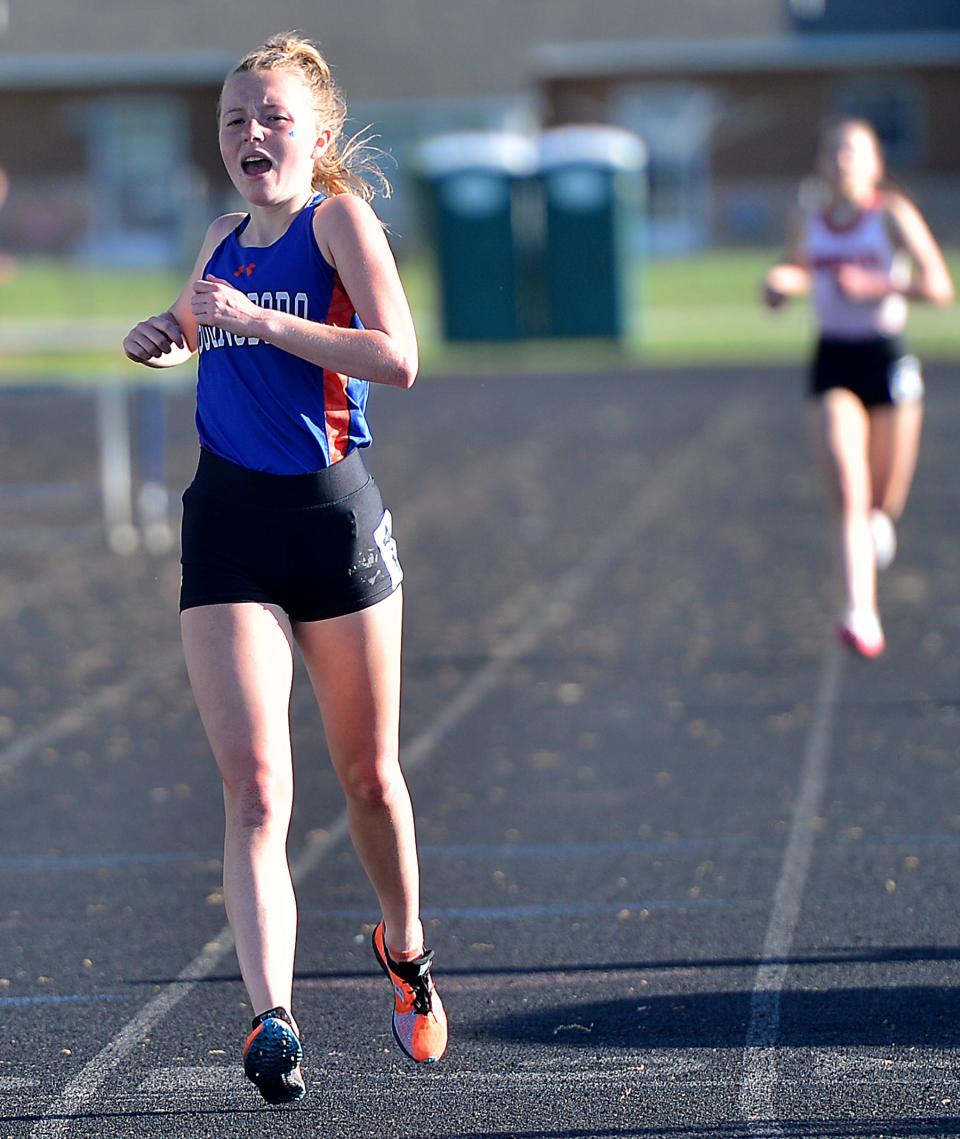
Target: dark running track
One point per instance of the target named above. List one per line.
(690, 873)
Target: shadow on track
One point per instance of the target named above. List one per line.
(841, 955)
(910, 1015)
(781, 1128)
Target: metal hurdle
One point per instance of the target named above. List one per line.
(134, 519)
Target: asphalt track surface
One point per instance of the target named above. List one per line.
(689, 869)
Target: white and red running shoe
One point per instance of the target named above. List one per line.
(861, 631)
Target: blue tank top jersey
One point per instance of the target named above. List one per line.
(261, 407)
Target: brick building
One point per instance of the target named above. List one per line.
(110, 104)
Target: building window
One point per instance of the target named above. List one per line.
(675, 122)
(137, 159)
(892, 104)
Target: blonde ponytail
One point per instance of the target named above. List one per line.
(347, 166)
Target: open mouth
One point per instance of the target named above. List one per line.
(255, 165)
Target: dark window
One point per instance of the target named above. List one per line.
(893, 105)
(826, 16)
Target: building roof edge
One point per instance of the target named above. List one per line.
(775, 53)
(53, 71)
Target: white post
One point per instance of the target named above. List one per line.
(115, 479)
(152, 499)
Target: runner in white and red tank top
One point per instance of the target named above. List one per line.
(865, 241)
(862, 253)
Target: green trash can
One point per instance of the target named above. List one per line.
(594, 180)
(470, 182)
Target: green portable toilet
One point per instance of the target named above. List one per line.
(593, 180)
(470, 181)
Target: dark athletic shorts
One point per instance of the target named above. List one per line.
(880, 370)
(318, 545)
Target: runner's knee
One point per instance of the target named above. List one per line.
(373, 783)
(259, 799)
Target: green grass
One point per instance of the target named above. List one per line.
(45, 288)
(709, 304)
(59, 320)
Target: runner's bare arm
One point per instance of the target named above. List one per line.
(170, 337)
(352, 240)
(791, 276)
(931, 280)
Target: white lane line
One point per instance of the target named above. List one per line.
(192, 1080)
(665, 488)
(77, 718)
(16, 595)
(759, 1079)
(61, 999)
(37, 495)
(199, 1082)
(186, 1083)
(43, 538)
(544, 910)
(551, 850)
(120, 860)
(17, 1083)
(827, 1069)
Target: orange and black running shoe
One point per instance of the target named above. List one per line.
(419, 1022)
(272, 1056)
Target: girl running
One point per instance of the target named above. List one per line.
(863, 252)
(285, 539)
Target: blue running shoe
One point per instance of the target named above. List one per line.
(272, 1056)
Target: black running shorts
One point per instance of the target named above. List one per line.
(878, 370)
(318, 545)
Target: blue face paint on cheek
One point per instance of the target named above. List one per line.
(292, 134)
